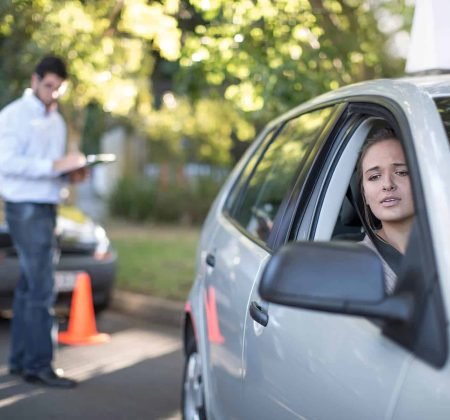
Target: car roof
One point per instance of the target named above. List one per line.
(431, 85)
(434, 85)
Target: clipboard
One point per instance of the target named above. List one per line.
(92, 160)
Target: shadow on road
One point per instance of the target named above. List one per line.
(136, 375)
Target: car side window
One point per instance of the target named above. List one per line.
(272, 176)
(352, 207)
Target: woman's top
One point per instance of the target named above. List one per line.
(390, 258)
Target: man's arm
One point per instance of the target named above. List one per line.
(71, 162)
(14, 163)
(11, 142)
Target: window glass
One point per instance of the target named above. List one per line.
(235, 194)
(443, 105)
(270, 180)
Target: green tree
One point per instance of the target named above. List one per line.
(266, 56)
(108, 46)
(198, 77)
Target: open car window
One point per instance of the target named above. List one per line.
(415, 274)
(344, 215)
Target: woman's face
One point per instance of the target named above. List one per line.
(386, 184)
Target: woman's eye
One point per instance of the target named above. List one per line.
(402, 173)
(373, 177)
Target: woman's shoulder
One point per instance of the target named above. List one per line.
(390, 277)
(369, 243)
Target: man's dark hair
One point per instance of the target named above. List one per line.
(51, 64)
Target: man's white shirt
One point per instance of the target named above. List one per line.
(31, 139)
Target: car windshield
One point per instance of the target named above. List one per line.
(443, 105)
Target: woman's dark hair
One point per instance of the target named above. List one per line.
(377, 136)
(381, 134)
(51, 64)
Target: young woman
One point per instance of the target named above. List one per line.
(388, 201)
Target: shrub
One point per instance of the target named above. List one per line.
(140, 199)
(132, 199)
(203, 193)
(170, 204)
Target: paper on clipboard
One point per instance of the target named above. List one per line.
(92, 160)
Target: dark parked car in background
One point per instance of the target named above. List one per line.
(83, 246)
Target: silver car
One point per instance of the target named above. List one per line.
(288, 317)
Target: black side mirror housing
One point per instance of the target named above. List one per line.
(340, 277)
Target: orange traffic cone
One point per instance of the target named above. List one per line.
(82, 328)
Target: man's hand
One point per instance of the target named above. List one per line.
(69, 162)
(78, 175)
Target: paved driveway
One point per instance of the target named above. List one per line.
(137, 375)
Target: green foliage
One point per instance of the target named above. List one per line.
(171, 204)
(202, 197)
(267, 56)
(219, 69)
(107, 44)
(132, 199)
(94, 127)
(197, 132)
(140, 200)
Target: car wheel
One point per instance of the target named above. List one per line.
(193, 400)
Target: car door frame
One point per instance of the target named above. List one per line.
(433, 349)
(294, 222)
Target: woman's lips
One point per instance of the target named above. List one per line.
(390, 201)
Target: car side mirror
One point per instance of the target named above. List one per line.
(339, 277)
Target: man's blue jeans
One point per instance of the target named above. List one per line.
(32, 230)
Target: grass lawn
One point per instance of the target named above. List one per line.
(153, 259)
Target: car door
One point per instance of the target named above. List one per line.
(424, 393)
(240, 247)
(316, 365)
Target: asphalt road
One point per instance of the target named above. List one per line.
(137, 375)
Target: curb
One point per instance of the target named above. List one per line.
(161, 311)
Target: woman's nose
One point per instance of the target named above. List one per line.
(388, 184)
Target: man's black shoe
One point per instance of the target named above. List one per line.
(49, 378)
(15, 371)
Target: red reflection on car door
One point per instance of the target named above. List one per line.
(212, 320)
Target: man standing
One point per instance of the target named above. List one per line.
(32, 158)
